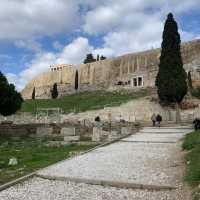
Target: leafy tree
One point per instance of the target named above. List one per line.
(10, 99)
(171, 78)
(190, 81)
(76, 80)
(54, 91)
(102, 57)
(89, 59)
(33, 93)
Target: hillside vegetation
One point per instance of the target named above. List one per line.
(32, 154)
(84, 101)
(192, 146)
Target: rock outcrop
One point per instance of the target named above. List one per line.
(43, 83)
(127, 71)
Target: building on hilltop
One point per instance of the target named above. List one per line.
(59, 67)
(130, 71)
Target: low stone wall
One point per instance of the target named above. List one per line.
(134, 111)
(18, 130)
(103, 133)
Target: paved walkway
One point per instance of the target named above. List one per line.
(144, 166)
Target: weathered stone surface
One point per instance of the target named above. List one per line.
(68, 131)
(113, 135)
(71, 138)
(126, 130)
(96, 136)
(43, 131)
(43, 83)
(107, 73)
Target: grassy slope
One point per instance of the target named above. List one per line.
(192, 145)
(31, 155)
(83, 101)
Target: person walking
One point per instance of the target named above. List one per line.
(159, 119)
(153, 119)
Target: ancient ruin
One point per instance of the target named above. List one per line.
(129, 71)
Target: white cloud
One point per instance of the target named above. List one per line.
(126, 26)
(130, 26)
(74, 53)
(21, 19)
(57, 45)
(29, 44)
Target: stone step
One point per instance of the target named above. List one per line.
(108, 183)
(169, 127)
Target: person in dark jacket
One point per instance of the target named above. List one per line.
(158, 119)
(153, 119)
(196, 123)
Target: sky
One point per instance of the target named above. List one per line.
(36, 34)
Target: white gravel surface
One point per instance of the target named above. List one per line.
(155, 137)
(131, 162)
(41, 189)
(143, 163)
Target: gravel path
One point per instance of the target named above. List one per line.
(131, 162)
(41, 189)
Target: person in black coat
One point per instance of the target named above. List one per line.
(158, 119)
(196, 123)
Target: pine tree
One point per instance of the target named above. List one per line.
(171, 78)
(89, 59)
(54, 92)
(102, 57)
(10, 99)
(33, 93)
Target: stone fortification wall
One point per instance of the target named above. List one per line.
(107, 74)
(43, 83)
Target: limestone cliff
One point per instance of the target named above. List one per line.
(43, 83)
(112, 73)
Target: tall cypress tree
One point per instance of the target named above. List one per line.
(171, 79)
(76, 80)
(54, 92)
(33, 93)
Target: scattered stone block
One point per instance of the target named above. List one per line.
(68, 131)
(43, 131)
(7, 122)
(113, 135)
(126, 130)
(96, 136)
(71, 138)
(13, 161)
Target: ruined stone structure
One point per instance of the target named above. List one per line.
(133, 70)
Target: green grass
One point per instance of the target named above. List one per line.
(31, 154)
(191, 140)
(192, 144)
(83, 101)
